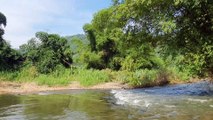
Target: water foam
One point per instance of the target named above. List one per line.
(127, 97)
(167, 96)
(198, 100)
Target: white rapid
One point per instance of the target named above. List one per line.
(193, 101)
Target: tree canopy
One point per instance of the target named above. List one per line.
(9, 58)
(3, 22)
(47, 52)
(131, 31)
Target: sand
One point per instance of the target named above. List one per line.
(29, 88)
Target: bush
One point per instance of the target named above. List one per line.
(27, 73)
(145, 78)
(177, 75)
(129, 64)
(177, 68)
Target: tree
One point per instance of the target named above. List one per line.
(88, 29)
(3, 21)
(139, 28)
(10, 59)
(117, 2)
(47, 52)
(30, 50)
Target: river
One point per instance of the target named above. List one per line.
(177, 102)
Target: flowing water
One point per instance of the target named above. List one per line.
(180, 102)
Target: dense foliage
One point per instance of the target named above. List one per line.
(47, 52)
(9, 58)
(136, 34)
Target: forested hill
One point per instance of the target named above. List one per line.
(75, 41)
(81, 37)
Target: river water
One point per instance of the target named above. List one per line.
(179, 102)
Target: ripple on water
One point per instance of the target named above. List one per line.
(12, 112)
(158, 103)
(188, 101)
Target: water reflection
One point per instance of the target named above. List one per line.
(101, 105)
(10, 107)
(8, 100)
(91, 105)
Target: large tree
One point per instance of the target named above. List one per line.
(3, 22)
(138, 28)
(9, 58)
(47, 52)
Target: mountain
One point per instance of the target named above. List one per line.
(81, 37)
(77, 40)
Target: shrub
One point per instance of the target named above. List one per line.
(27, 73)
(147, 78)
(144, 78)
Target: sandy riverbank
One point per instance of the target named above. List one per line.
(27, 88)
(7, 87)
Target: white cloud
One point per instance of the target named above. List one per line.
(25, 17)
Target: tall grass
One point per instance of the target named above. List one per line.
(90, 77)
(8, 75)
(57, 78)
(50, 80)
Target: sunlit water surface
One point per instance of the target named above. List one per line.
(180, 102)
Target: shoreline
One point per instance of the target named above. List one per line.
(7, 87)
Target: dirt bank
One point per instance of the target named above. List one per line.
(27, 88)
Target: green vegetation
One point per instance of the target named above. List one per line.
(58, 77)
(49, 53)
(140, 42)
(9, 58)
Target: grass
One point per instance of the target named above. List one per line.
(89, 77)
(51, 80)
(153, 77)
(60, 77)
(30, 74)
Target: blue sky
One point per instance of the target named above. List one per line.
(64, 17)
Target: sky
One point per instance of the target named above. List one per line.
(64, 17)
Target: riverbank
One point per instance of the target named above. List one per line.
(91, 77)
(7, 87)
(28, 80)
